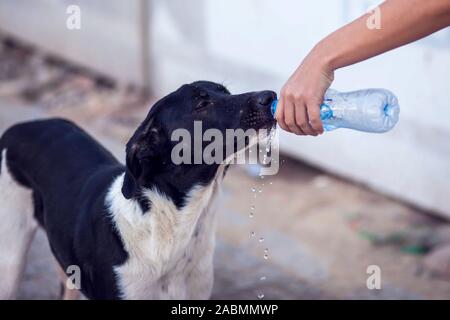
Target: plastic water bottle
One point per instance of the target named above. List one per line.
(369, 110)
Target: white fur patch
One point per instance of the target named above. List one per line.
(170, 250)
(17, 227)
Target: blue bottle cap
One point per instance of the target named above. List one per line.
(325, 112)
(273, 107)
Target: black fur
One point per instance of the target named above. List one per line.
(70, 173)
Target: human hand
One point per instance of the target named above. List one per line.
(298, 109)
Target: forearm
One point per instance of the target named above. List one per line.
(402, 22)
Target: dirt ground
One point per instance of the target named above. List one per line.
(301, 234)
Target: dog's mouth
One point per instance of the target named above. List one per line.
(259, 114)
(258, 118)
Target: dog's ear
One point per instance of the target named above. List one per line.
(141, 156)
(132, 173)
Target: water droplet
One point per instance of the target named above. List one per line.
(252, 208)
(260, 295)
(261, 239)
(266, 250)
(251, 214)
(253, 189)
(263, 278)
(270, 182)
(266, 256)
(260, 190)
(253, 233)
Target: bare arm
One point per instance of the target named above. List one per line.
(402, 22)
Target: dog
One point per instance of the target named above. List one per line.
(145, 230)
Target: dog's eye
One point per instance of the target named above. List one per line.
(202, 104)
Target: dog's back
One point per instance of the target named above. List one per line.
(53, 145)
(52, 174)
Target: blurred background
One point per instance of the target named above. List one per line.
(340, 203)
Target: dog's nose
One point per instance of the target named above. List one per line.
(265, 98)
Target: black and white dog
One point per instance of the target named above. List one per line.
(141, 231)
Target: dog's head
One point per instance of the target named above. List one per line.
(203, 104)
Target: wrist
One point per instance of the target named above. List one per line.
(324, 57)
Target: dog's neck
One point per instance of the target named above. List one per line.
(166, 241)
(178, 180)
(165, 224)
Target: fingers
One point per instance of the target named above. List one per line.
(296, 116)
(285, 116)
(314, 117)
(302, 120)
(279, 115)
(290, 119)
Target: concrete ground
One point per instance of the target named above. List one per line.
(304, 233)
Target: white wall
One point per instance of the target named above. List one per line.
(109, 40)
(254, 45)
